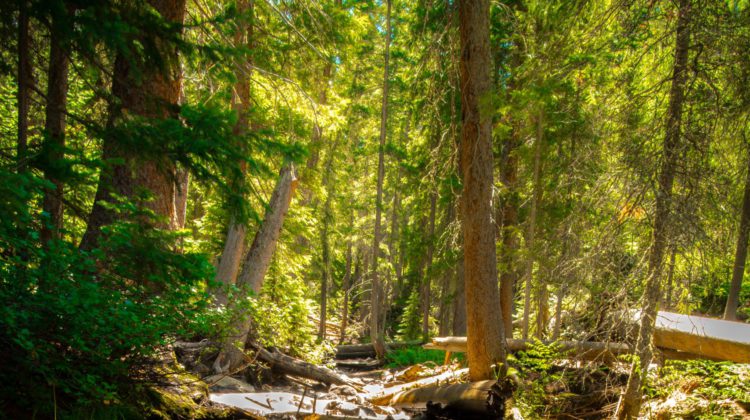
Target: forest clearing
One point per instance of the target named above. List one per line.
(374, 209)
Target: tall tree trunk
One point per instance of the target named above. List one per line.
(509, 225)
(740, 255)
(229, 263)
(376, 330)
(24, 85)
(531, 224)
(346, 284)
(485, 328)
(148, 92)
(328, 184)
(256, 264)
(631, 403)
(427, 277)
(54, 144)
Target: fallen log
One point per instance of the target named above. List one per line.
(385, 396)
(586, 350)
(466, 396)
(362, 351)
(289, 365)
(706, 337)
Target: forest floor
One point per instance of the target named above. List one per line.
(556, 390)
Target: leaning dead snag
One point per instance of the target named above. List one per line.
(257, 261)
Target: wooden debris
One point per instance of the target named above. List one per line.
(587, 350)
(385, 397)
(357, 351)
(706, 337)
(466, 396)
(292, 366)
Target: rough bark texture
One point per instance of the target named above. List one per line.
(376, 330)
(229, 263)
(147, 92)
(631, 402)
(485, 331)
(54, 125)
(256, 264)
(740, 255)
(531, 224)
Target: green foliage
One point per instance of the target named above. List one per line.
(705, 378)
(413, 355)
(410, 325)
(87, 325)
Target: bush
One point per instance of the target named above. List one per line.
(80, 328)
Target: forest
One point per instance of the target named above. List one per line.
(380, 209)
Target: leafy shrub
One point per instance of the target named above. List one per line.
(80, 328)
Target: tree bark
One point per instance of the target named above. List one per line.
(531, 224)
(631, 403)
(740, 255)
(486, 337)
(54, 144)
(376, 330)
(229, 263)
(256, 264)
(147, 92)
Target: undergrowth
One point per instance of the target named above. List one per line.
(415, 355)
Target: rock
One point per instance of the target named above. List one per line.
(227, 384)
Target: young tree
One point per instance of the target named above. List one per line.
(740, 255)
(376, 329)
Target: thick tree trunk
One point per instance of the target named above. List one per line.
(234, 245)
(54, 144)
(740, 255)
(24, 85)
(631, 402)
(151, 93)
(486, 337)
(256, 264)
(376, 330)
(531, 223)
